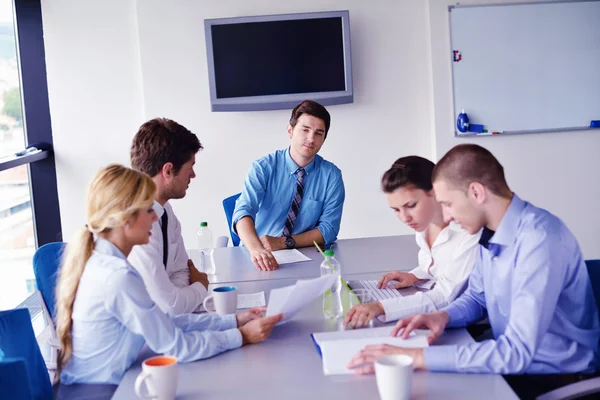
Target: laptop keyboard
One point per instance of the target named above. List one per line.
(379, 294)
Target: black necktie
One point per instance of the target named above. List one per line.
(164, 222)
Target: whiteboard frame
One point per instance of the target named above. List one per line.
(515, 132)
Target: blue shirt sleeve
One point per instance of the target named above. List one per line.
(536, 282)
(470, 306)
(131, 305)
(255, 186)
(331, 217)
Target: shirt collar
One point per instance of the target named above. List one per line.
(158, 209)
(107, 247)
(443, 237)
(293, 167)
(505, 234)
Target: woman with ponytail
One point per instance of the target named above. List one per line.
(447, 252)
(104, 313)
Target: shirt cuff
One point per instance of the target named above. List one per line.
(236, 218)
(202, 292)
(392, 309)
(419, 273)
(228, 321)
(234, 338)
(454, 315)
(440, 358)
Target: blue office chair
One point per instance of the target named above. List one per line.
(14, 380)
(588, 386)
(229, 206)
(21, 351)
(46, 262)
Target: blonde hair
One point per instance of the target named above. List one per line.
(115, 194)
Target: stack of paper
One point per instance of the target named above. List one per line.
(338, 348)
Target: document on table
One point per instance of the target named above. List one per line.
(251, 300)
(290, 299)
(338, 348)
(289, 256)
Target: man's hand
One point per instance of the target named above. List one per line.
(273, 243)
(259, 329)
(361, 314)
(246, 316)
(263, 259)
(363, 362)
(405, 279)
(435, 321)
(197, 276)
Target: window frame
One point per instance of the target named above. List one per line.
(43, 186)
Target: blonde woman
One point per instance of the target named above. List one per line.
(104, 313)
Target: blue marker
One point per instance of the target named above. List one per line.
(462, 122)
(595, 124)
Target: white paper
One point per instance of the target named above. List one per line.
(338, 348)
(289, 256)
(290, 299)
(251, 300)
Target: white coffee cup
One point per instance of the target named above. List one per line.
(224, 299)
(160, 377)
(394, 377)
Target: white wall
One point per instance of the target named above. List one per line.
(106, 77)
(389, 118)
(556, 171)
(95, 91)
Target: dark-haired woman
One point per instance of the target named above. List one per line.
(446, 252)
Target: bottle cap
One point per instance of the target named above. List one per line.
(329, 253)
(203, 224)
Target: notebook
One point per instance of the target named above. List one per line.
(338, 348)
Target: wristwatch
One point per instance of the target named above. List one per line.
(290, 243)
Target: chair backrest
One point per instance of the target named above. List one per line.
(229, 206)
(14, 379)
(17, 340)
(593, 267)
(46, 262)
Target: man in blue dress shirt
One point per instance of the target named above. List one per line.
(293, 196)
(529, 279)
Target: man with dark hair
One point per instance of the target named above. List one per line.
(293, 196)
(167, 151)
(529, 279)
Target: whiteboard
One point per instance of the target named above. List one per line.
(522, 68)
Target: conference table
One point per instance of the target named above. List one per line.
(287, 364)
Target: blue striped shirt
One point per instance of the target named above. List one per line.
(271, 186)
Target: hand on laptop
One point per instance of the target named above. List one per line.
(435, 321)
(197, 276)
(361, 314)
(405, 279)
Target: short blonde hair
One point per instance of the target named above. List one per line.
(115, 194)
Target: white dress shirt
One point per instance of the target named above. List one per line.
(168, 287)
(113, 317)
(448, 262)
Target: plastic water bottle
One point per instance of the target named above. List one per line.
(206, 248)
(332, 300)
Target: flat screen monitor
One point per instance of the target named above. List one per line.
(276, 61)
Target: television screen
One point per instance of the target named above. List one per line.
(274, 62)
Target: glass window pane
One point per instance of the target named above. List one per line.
(17, 243)
(12, 138)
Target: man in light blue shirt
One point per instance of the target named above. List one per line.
(529, 279)
(291, 197)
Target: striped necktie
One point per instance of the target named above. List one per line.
(291, 217)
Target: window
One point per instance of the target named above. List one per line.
(29, 215)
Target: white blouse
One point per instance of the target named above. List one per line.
(448, 263)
